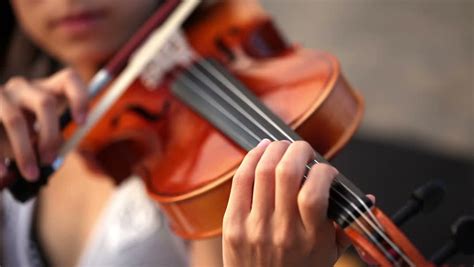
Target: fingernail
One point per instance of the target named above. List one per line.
(32, 172)
(264, 142)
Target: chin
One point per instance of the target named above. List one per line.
(86, 57)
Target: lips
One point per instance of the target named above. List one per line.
(78, 23)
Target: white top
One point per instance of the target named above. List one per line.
(131, 232)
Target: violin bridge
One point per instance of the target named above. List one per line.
(175, 52)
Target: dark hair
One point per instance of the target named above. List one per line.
(19, 56)
(6, 27)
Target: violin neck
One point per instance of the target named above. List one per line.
(209, 89)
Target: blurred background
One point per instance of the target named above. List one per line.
(413, 61)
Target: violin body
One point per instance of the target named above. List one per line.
(185, 162)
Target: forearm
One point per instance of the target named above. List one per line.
(207, 252)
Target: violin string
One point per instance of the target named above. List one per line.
(208, 82)
(231, 87)
(203, 78)
(226, 82)
(365, 230)
(220, 108)
(379, 231)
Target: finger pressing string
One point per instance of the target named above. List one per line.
(288, 181)
(242, 184)
(313, 197)
(263, 201)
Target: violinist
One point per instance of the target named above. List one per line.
(82, 218)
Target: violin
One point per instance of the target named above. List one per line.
(185, 125)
